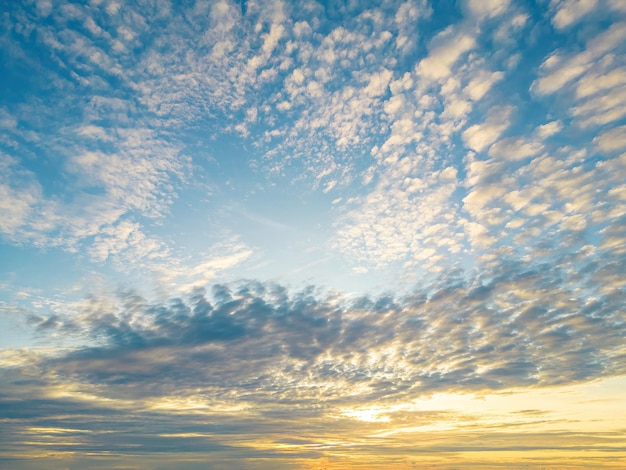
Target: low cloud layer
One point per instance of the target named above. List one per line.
(527, 325)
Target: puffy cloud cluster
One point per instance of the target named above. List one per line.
(425, 146)
(525, 325)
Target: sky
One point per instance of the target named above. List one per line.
(312, 234)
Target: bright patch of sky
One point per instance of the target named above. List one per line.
(320, 163)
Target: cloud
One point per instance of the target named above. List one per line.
(19, 195)
(591, 78)
(445, 50)
(547, 130)
(561, 72)
(481, 83)
(480, 136)
(527, 325)
(288, 85)
(569, 12)
(127, 243)
(111, 162)
(517, 148)
(405, 220)
(487, 9)
(239, 369)
(503, 238)
(410, 215)
(611, 140)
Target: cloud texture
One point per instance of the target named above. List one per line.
(301, 235)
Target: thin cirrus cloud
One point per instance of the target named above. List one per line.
(314, 234)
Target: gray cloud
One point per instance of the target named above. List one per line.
(525, 326)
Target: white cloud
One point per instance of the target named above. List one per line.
(613, 38)
(487, 8)
(15, 208)
(602, 109)
(338, 108)
(126, 242)
(593, 83)
(561, 71)
(378, 83)
(7, 121)
(591, 79)
(547, 130)
(515, 148)
(569, 12)
(405, 218)
(611, 140)
(336, 105)
(20, 199)
(95, 132)
(481, 196)
(617, 5)
(481, 84)
(510, 27)
(480, 136)
(445, 50)
(478, 235)
(184, 275)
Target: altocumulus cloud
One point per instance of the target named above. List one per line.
(525, 325)
(478, 151)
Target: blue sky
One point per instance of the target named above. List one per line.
(335, 204)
